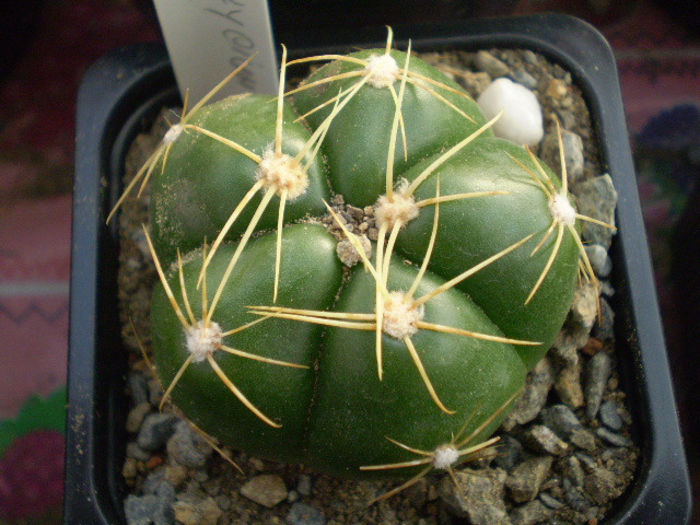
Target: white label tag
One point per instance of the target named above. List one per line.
(207, 39)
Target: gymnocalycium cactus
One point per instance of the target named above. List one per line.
(404, 362)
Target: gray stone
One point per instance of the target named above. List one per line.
(550, 501)
(573, 471)
(609, 414)
(529, 514)
(303, 514)
(135, 452)
(148, 510)
(155, 430)
(136, 416)
(533, 396)
(192, 510)
(573, 154)
(585, 306)
(524, 482)
(304, 485)
(601, 486)
(187, 447)
(597, 374)
(563, 349)
(138, 387)
(613, 438)
(587, 461)
(583, 438)
(600, 260)
(474, 83)
(568, 384)
(604, 327)
(347, 253)
(266, 489)
(524, 78)
(509, 452)
(561, 419)
(597, 198)
(543, 440)
(479, 497)
(485, 61)
(156, 484)
(530, 57)
(574, 497)
(155, 392)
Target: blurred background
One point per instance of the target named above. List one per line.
(46, 46)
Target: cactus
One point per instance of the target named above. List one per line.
(404, 362)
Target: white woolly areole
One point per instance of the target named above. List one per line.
(401, 316)
(445, 456)
(521, 121)
(399, 208)
(202, 341)
(562, 210)
(280, 171)
(173, 133)
(383, 70)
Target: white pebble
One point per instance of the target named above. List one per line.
(521, 121)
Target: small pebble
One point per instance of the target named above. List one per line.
(530, 57)
(509, 452)
(304, 485)
(479, 497)
(138, 388)
(604, 327)
(572, 146)
(573, 471)
(601, 486)
(613, 438)
(568, 384)
(347, 253)
(561, 419)
(550, 501)
(136, 416)
(533, 396)
(524, 78)
(600, 260)
(485, 61)
(524, 482)
(148, 510)
(303, 514)
(609, 415)
(585, 307)
(597, 198)
(197, 511)
(187, 447)
(155, 430)
(521, 121)
(597, 374)
(529, 514)
(574, 497)
(266, 489)
(135, 452)
(543, 440)
(584, 439)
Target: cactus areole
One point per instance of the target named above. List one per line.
(406, 361)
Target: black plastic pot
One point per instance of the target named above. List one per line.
(122, 93)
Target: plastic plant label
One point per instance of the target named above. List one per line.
(207, 39)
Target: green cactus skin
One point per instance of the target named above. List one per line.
(203, 181)
(430, 124)
(351, 406)
(501, 288)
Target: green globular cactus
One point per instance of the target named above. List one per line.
(405, 362)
